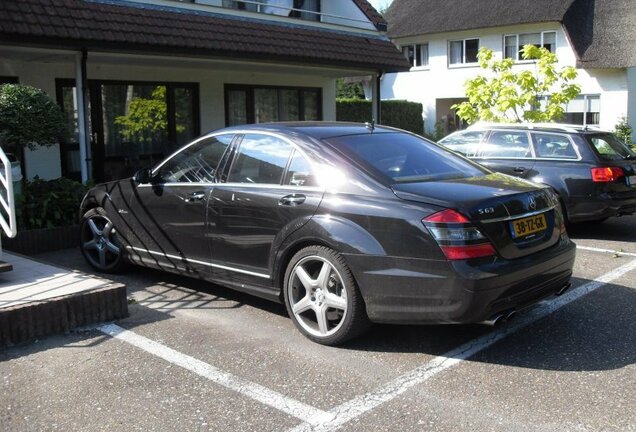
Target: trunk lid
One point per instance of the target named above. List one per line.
(518, 217)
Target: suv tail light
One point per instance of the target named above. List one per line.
(607, 174)
(458, 238)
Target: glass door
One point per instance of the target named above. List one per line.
(132, 124)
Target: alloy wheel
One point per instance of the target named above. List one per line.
(99, 243)
(317, 296)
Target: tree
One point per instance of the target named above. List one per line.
(147, 118)
(383, 6)
(624, 131)
(28, 117)
(527, 96)
(349, 90)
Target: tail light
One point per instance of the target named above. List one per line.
(458, 238)
(607, 174)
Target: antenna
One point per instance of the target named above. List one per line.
(370, 125)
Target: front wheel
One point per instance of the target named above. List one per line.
(99, 243)
(322, 298)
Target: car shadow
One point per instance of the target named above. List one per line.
(613, 229)
(593, 333)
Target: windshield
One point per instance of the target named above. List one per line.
(400, 158)
(610, 148)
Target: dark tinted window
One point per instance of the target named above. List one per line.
(299, 172)
(553, 146)
(506, 144)
(610, 148)
(196, 163)
(260, 159)
(405, 158)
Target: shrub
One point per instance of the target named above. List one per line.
(397, 113)
(28, 117)
(48, 204)
(624, 131)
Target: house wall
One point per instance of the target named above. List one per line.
(631, 100)
(211, 79)
(440, 80)
(352, 17)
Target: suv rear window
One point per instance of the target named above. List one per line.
(405, 158)
(609, 147)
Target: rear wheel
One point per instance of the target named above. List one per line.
(322, 298)
(99, 243)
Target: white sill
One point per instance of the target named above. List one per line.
(524, 62)
(419, 68)
(463, 65)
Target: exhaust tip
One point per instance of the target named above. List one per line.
(563, 289)
(494, 321)
(499, 318)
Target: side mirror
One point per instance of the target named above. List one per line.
(144, 175)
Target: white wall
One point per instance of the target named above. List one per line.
(43, 162)
(440, 80)
(211, 78)
(631, 98)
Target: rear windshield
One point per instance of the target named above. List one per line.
(402, 158)
(609, 147)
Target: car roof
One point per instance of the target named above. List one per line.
(546, 127)
(318, 130)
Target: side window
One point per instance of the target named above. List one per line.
(465, 143)
(260, 159)
(299, 172)
(506, 144)
(196, 163)
(552, 146)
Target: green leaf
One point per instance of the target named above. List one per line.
(503, 94)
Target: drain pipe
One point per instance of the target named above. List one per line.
(81, 95)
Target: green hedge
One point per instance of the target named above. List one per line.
(49, 203)
(397, 113)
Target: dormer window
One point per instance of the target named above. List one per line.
(303, 9)
(513, 44)
(417, 54)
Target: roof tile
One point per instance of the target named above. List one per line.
(96, 25)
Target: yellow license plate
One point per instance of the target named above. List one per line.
(530, 225)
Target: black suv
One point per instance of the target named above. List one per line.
(592, 171)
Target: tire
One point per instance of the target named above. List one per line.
(99, 243)
(322, 298)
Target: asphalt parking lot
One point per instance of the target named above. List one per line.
(195, 356)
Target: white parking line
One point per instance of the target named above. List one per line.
(366, 402)
(593, 249)
(257, 392)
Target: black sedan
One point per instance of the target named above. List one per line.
(346, 224)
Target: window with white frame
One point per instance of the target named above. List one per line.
(583, 110)
(303, 9)
(513, 44)
(417, 54)
(463, 51)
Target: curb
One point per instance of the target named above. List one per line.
(30, 321)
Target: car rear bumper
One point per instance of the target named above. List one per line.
(590, 208)
(398, 290)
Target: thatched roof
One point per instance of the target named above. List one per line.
(601, 31)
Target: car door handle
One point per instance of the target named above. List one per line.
(194, 196)
(519, 170)
(292, 200)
